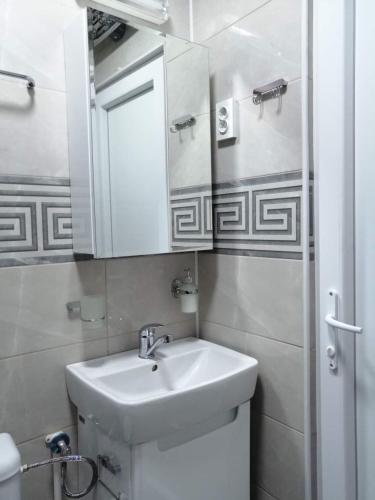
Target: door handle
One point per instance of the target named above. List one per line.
(334, 323)
(331, 321)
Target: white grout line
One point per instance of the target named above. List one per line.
(254, 334)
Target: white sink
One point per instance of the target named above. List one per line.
(138, 400)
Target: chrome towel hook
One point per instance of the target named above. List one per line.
(182, 123)
(270, 91)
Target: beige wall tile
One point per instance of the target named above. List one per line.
(190, 148)
(279, 390)
(262, 47)
(178, 24)
(258, 295)
(269, 142)
(188, 71)
(34, 389)
(277, 458)
(139, 292)
(211, 16)
(33, 39)
(228, 337)
(33, 313)
(33, 131)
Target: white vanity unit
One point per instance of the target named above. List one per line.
(176, 427)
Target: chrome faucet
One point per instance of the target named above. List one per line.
(147, 342)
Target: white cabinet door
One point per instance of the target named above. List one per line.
(79, 133)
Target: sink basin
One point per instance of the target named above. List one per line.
(138, 400)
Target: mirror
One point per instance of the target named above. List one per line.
(150, 140)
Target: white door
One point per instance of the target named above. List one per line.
(344, 150)
(131, 123)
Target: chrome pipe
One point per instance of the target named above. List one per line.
(11, 74)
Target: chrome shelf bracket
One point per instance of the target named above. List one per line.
(270, 91)
(182, 123)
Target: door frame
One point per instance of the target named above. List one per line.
(333, 105)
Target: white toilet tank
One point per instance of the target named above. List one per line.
(10, 469)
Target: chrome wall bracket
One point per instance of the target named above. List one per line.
(182, 123)
(176, 288)
(270, 91)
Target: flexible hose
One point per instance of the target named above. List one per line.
(94, 479)
(64, 461)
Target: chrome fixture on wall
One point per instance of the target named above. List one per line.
(59, 443)
(270, 91)
(90, 308)
(187, 291)
(182, 123)
(30, 81)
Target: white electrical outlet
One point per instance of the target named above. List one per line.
(226, 120)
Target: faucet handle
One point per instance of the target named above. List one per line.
(149, 329)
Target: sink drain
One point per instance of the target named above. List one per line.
(154, 368)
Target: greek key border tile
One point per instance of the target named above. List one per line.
(191, 217)
(52, 212)
(255, 216)
(21, 238)
(35, 220)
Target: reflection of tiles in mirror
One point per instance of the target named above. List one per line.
(255, 216)
(191, 214)
(35, 220)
